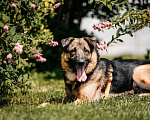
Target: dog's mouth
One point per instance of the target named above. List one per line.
(81, 76)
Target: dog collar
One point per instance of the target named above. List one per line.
(75, 84)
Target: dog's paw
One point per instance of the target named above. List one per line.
(144, 94)
(43, 105)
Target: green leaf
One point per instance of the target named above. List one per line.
(122, 21)
(25, 77)
(119, 8)
(112, 20)
(28, 82)
(12, 30)
(109, 6)
(5, 18)
(17, 37)
(117, 18)
(108, 43)
(112, 37)
(118, 32)
(125, 14)
(20, 78)
(120, 40)
(130, 34)
(19, 66)
(1, 24)
(19, 17)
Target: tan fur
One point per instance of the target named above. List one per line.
(93, 62)
(141, 76)
(91, 90)
(68, 72)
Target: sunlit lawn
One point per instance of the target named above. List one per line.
(43, 89)
(25, 107)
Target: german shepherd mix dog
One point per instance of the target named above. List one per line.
(89, 77)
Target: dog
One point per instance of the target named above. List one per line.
(88, 77)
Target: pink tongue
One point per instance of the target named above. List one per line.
(81, 76)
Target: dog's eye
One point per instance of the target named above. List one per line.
(86, 50)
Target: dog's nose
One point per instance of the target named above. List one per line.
(80, 63)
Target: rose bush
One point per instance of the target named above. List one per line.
(130, 21)
(23, 28)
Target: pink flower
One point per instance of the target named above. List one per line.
(4, 62)
(6, 28)
(9, 56)
(54, 43)
(107, 24)
(18, 48)
(33, 6)
(102, 25)
(39, 58)
(110, 23)
(101, 46)
(56, 5)
(13, 4)
(42, 59)
(96, 27)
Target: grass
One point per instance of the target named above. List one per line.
(25, 107)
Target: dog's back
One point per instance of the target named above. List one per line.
(123, 73)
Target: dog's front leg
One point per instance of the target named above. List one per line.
(69, 95)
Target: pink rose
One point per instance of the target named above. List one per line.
(4, 62)
(54, 43)
(39, 58)
(42, 59)
(94, 26)
(18, 48)
(56, 5)
(6, 28)
(33, 6)
(13, 4)
(108, 23)
(102, 46)
(101, 26)
(9, 56)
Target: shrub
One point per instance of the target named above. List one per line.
(23, 28)
(130, 21)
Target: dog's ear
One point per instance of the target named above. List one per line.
(65, 42)
(92, 42)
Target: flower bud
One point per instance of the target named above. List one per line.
(33, 6)
(6, 28)
(4, 62)
(56, 5)
(13, 4)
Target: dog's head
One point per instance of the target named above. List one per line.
(79, 52)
